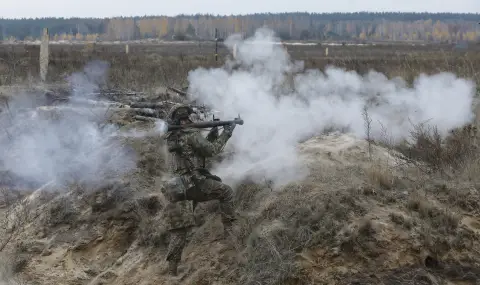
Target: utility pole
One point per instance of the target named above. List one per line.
(478, 32)
(216, 44)
(4, 33)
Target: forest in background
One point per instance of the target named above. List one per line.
(362, 26)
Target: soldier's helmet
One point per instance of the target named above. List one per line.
(179, 112)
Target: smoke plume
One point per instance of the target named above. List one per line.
(65, 143)
(281, 104)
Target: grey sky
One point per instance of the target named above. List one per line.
(109, 8)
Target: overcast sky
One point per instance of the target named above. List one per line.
(109, 8)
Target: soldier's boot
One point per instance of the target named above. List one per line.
(175, 249)
(172, 267)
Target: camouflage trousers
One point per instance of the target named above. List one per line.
(204, 190)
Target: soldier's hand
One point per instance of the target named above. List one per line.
(229, 128)
(213, 134)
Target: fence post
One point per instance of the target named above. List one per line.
(44, 55)
(235, 51)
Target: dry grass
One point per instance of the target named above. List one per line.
(381, 176)
(443, 220)
(440, 154)
(146, 66)
(274, 240)
(277, 229)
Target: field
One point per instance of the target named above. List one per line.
(169, 63)
(385, 198)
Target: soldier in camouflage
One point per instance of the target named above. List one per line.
(192, 182)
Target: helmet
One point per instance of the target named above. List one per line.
(179, 112)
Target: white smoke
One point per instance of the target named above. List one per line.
(86, 84)
(277, 116)
(69, 144)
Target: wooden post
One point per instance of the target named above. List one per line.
(326, 51)
(44, 55)
(235, 51)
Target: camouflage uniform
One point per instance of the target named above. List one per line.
(192, 182)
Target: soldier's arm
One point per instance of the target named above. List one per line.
(205, 147)
(213, 134)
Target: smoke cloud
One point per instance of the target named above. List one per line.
(281, 104)
(67, 144)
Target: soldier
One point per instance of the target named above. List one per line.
(192, 182)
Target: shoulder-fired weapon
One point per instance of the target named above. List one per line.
(208, 124)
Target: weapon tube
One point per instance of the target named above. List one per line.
(202, 125)
(178, 91)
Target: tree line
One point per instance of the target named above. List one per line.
(362, 26)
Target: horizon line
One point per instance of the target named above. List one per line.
(242, 15)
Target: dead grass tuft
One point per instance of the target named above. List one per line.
(442, 220)
(381, 177)
(441, 154)
(401, 220)
(360, 240)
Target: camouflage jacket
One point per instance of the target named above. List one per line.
(188, 150)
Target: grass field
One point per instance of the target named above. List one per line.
(149, 65)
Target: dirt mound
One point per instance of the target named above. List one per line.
(364, 215)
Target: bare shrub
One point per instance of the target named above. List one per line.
(61, 212)
(13, 62)
(368, 127)
(15, 218)
(440, 154)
